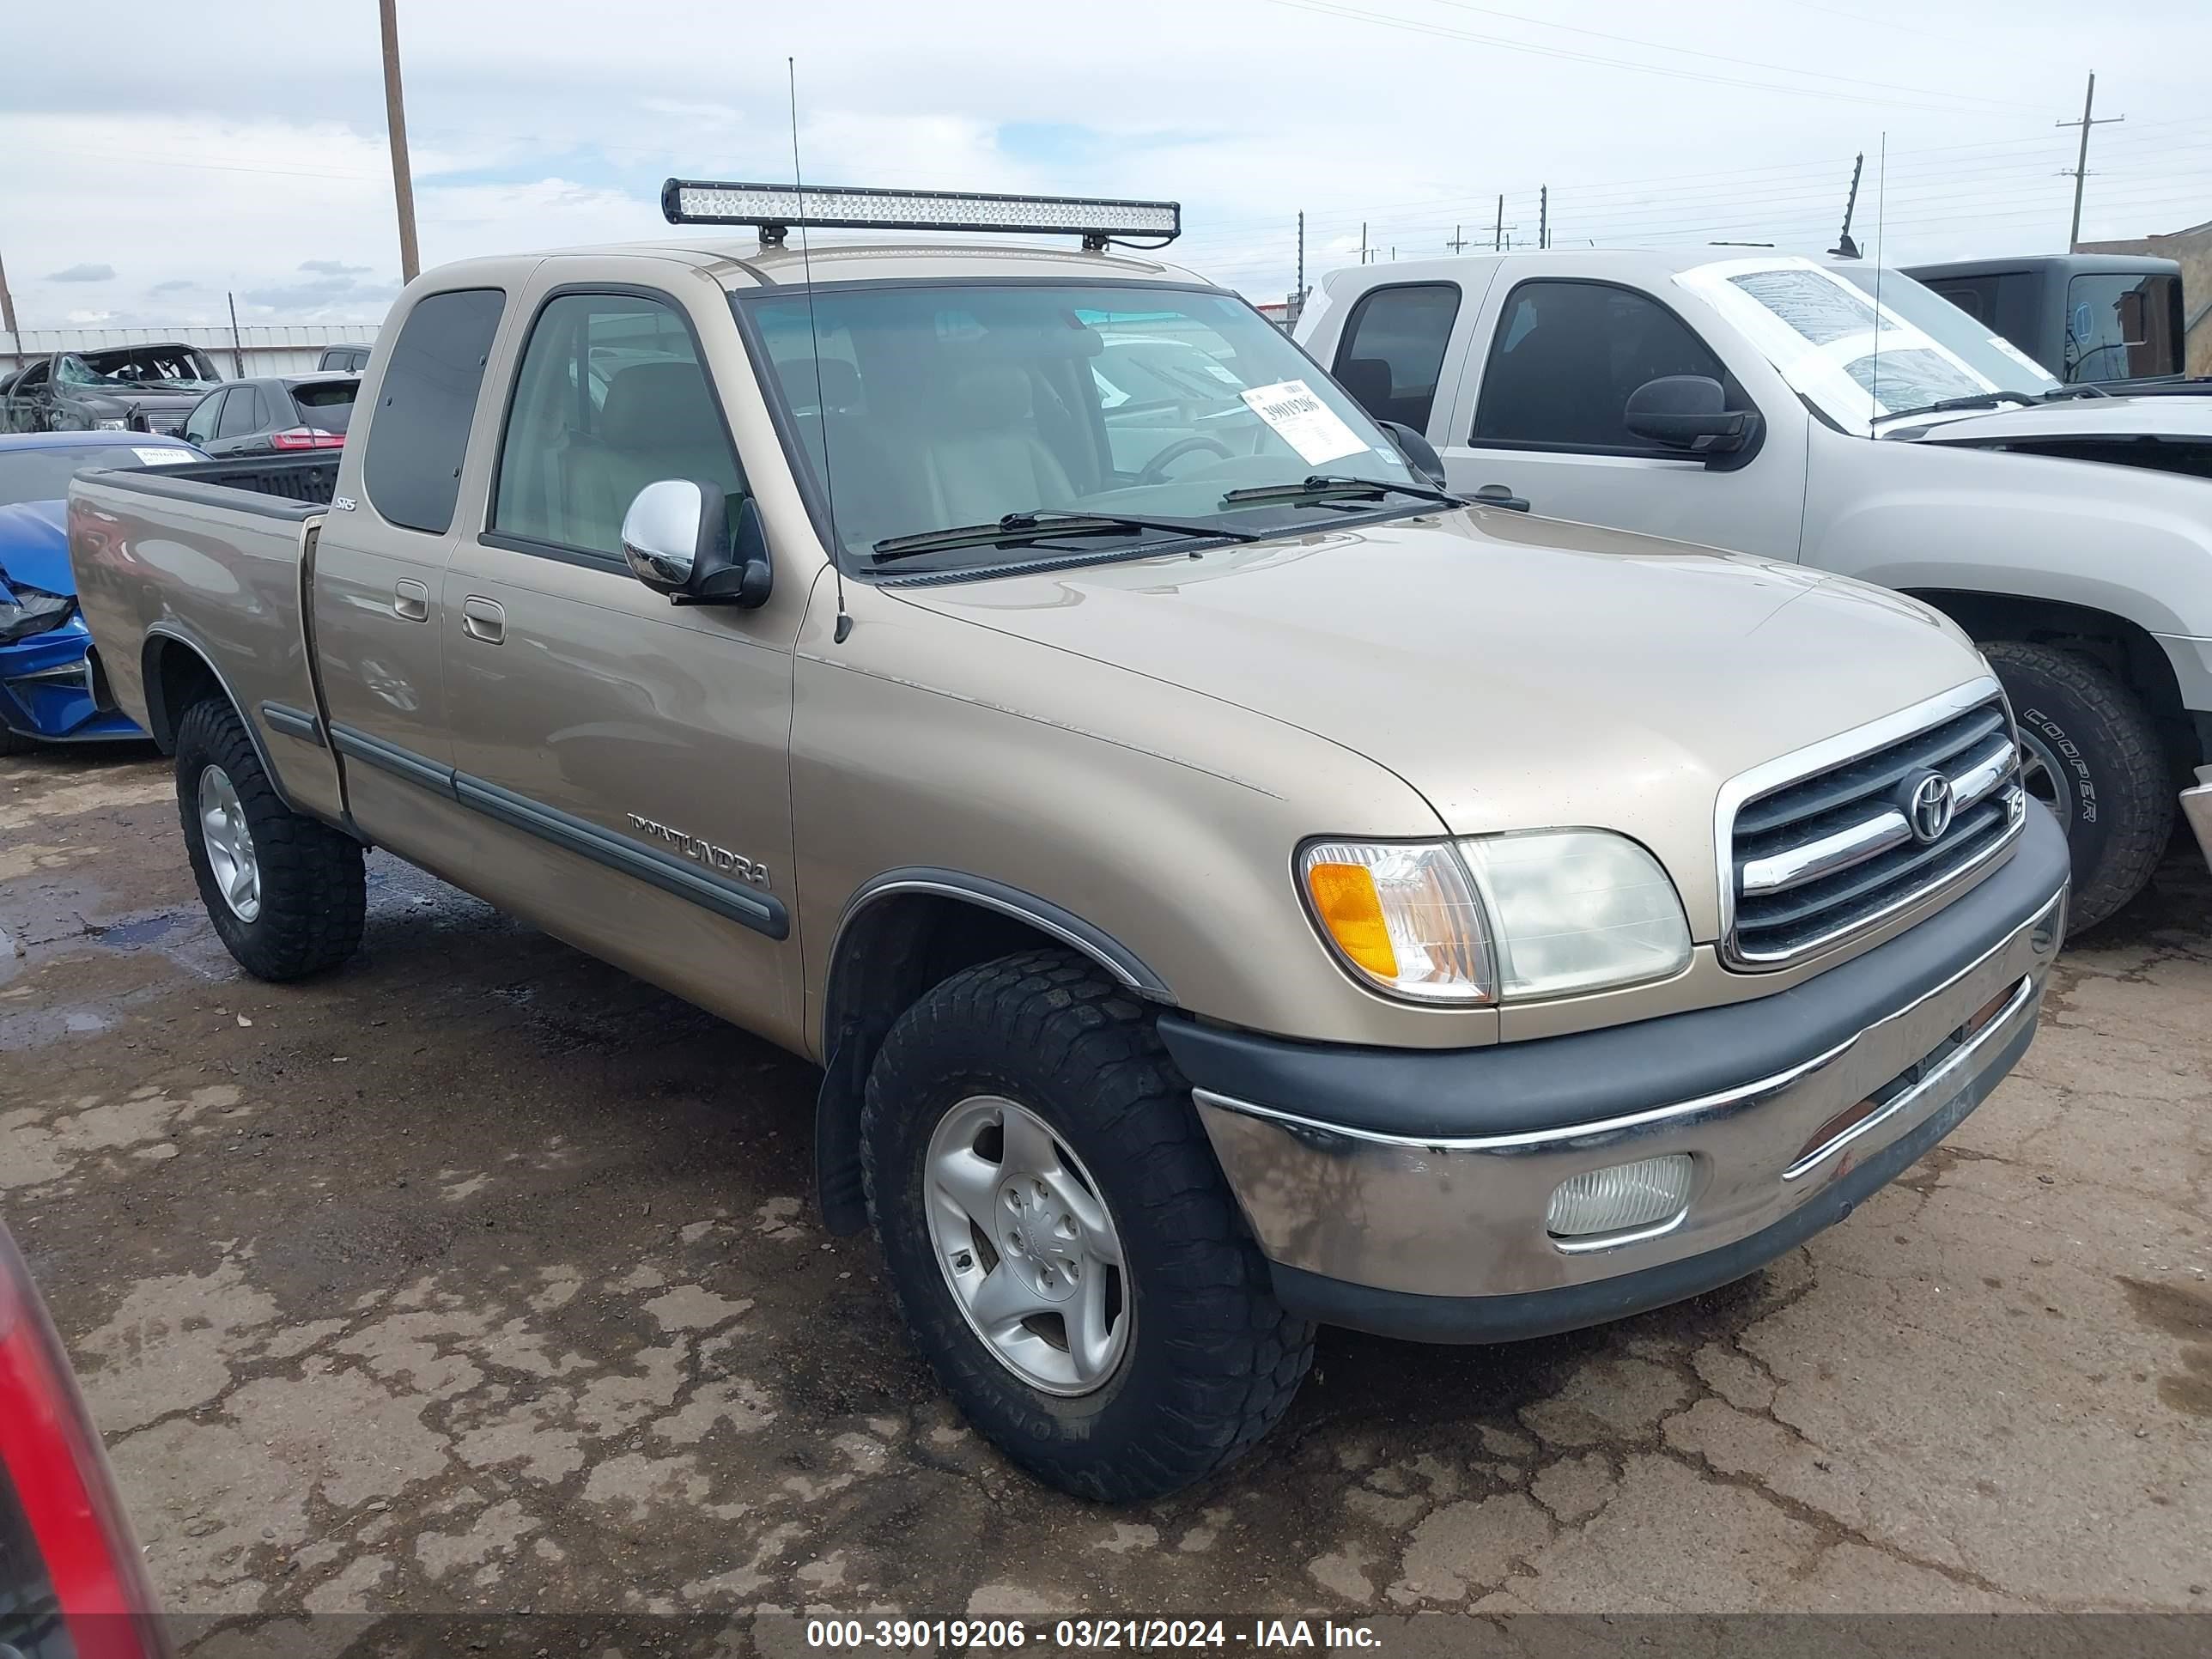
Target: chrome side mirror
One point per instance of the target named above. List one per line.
(678, 539)
(665, 530)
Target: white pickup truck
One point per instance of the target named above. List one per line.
(1839, 415)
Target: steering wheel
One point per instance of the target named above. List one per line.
(1150, 473)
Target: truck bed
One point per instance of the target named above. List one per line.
(199, 571)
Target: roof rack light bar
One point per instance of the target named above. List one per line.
(777, 208)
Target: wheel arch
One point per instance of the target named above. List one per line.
(176, 672)
(2125, 649)
(901, 933)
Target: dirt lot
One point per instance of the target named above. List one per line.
(480, 1276)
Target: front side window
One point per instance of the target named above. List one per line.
(1566, 357)
(420, 434)
(2123, 327)
(924, 407)
(1393, 350)
(611, 397)
(200, 425)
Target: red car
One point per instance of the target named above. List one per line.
(71, 1583)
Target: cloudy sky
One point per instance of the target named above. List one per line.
(160, 154)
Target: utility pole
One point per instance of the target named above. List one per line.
(1362, 241)
(7, 303)
(1544, 216)
(395, 125)
(1498, 236)
(2080, 170)
(1300, 291)
(1458, 242)
(1846, 248)
(237, 346)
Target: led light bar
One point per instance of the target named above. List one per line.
(777, 208)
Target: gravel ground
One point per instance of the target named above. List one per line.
(480, 1276)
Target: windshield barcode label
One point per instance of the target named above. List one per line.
(1302, 421)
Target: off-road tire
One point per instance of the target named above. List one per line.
(15, 743)
(2120, 800)
(1213, 1358)
(313, 893)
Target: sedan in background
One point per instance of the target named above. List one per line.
(274, 414)
(71, 1583)
(45, 666)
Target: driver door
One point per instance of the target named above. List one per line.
(630, 755)
(1543, 410)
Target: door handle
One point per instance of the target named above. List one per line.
(411, 601)
(483, 619)
(1501, 496)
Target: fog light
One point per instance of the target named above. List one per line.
(1626, 1195)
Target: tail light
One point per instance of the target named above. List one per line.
(307, 437)
(66, 1553)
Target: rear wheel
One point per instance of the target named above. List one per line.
(2090, 753)
(286, 894)
(1062, 1243)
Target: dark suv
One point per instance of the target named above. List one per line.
(277, 414)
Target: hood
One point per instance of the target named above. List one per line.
(1517, 671)
(35, 545)
(2071, 419)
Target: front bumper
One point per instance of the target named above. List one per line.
(46, 690)
(1419, 1228)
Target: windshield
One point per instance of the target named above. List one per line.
(44, 474)
(960, 403)
(184, 367)
(1818, 325)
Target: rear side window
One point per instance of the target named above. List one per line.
(1393, 350)
(1566, 356)
(242, 413)
(200, 425)
(412, 470)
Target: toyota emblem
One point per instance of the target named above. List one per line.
(1930, 810)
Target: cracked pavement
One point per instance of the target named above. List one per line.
(480, 1276)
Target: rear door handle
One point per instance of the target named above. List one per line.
(483, 619)
(410, 601)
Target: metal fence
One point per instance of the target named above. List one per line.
(262, 348)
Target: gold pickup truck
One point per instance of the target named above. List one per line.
(1230, 882)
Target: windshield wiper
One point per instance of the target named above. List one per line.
(1323, 486)
(1972, 400)
(1018, 529)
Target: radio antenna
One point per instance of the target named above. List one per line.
(814, 344)
(1880, 213)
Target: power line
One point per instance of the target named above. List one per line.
(1325, 8)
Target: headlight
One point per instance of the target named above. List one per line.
(1401, 915)
(1577, 910)
(1544, 914)
(116, 425)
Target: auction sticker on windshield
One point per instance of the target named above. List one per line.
(1303, 422)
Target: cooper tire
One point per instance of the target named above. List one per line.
(2091, 753)
(1210, 1359)
(308, 897)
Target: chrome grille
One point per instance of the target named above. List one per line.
(1831, 851)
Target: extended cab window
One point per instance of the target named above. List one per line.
(611, 397)
(2122, 327)
(1393, 350)
(1566, 356)
(412, 471)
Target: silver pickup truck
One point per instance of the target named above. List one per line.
(1228, 882)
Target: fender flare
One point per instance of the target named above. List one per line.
(161, 720)
(849, 1040)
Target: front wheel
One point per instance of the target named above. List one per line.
(286, 894)
(2090, 753)
(1059, 1237)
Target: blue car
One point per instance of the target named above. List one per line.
(45, 675)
